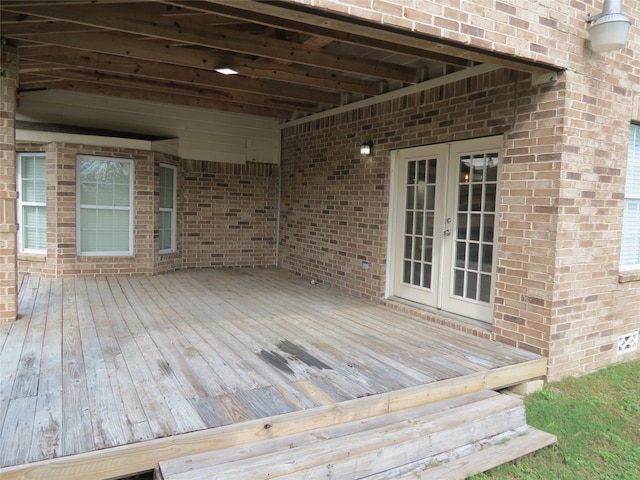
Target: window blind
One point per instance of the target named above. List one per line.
(630, 253)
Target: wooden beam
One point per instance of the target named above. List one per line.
(46, 26)
(124, 45)
(266, 13)
(357, 31)
(167, 98)
(219, 38)
(163, 88)
(190, 76)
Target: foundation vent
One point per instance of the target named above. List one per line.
(628, 342)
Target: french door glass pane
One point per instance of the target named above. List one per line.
(477, 193)
(420, 190)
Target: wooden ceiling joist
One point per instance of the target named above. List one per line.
(292, 60)
(220, 38)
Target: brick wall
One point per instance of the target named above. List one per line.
(559, 291)
(334, 207)
(8, 272)
(229, 215)
(62, 258)
(557, 287)
(226, 215)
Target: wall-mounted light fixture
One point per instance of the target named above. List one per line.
(366, 148)
(226, 70)
(609, 30)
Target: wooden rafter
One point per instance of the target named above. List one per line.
(106, 17)
(291, 59)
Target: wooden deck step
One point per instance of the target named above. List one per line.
(408, 440)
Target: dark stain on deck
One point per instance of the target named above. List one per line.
(301, 354)
(276, 360)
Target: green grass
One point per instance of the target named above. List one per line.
(597, 421)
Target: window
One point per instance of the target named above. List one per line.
(630, 256)
(105, 216)
(32, 208)
(167, 228)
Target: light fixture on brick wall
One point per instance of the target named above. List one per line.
(366, 148)
(608, 30)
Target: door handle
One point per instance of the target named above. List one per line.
(447, 232)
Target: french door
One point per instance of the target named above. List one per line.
(443, 226)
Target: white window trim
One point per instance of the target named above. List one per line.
(130, 208)
(172, 249)
(628, 196)
(22, 203)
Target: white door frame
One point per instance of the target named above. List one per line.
(446, 193)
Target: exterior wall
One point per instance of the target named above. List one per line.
(229, 215)
(559, 289)
(226, 215)
(8, 272)
(334, 207)
(62, 258)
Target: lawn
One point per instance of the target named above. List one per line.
(597, 421)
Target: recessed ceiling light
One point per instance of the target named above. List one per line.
(226, 70)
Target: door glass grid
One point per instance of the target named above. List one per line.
(420, 191)
(474, 243)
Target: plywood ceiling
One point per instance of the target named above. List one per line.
(291, 60)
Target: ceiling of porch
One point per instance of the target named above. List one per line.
(291, 60)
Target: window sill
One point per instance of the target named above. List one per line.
(32, 257)
(629, 276)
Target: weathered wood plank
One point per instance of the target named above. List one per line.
(293, 325)
(211, 411)
(9, 360)
(485, 459)
(264, 402)
(46, 441)
(319, 396)
(235, 361)
(188, 464)
(26, 381)
(103, 409)
(47, 429)
(171, 382)
(183, 322)
(134, 340)
(18, 424)
(191, 344)
(77, 430)
(131, 416)
(376, 449)
(12, 344)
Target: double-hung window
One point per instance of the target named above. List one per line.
(167, 227)
(630, 256)
(32, 209)
(105, 201)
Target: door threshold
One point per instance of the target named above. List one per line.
(471, 323)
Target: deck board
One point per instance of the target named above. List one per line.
(98, 362)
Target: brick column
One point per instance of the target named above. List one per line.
(8, 227)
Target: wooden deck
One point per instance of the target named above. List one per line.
(131, 362)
